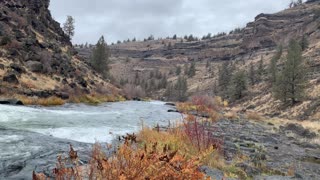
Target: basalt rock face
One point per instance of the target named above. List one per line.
(28, 33)
(267, 31)
(31, 39)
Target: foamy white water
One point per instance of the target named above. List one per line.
(85, 123)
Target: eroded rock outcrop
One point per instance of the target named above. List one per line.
(37, 54)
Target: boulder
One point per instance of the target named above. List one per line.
(170, 104)
(11, 101)
(17, 68)
(34, 66)
(300, 130)
(82, 82)
(11, 78)
(62, 95)
(136, 99)
(173, 110)
(212, 173)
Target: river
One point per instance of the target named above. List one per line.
(32, 137)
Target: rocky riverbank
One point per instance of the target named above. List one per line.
(284, 151)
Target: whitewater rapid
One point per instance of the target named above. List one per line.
(32, 137)
(83, 123)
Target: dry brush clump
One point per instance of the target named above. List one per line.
(200, 113)
(130, 161)
(132, 91)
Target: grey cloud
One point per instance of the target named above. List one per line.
(123, 19)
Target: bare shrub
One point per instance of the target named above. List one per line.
(132, 91)
(205, 100)
(102, 89)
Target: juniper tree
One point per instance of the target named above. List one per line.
(304, 43)
(100, 57)
(192, 70)
(291, 81)
(181, 88)
(224, 78)
(174, 36)
(178, 70)
(238, 85)
(68, 26)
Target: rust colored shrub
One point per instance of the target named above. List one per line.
(129, 162)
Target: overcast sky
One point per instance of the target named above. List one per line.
(123, 19)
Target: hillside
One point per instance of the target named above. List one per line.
(241, 47)
(36, 57)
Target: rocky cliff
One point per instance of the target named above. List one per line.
(36, 57)
(242, 47)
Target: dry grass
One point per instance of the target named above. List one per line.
(96, 99)
(174, 139)
(311, 125)
(232, 115)
(51, 101)
(253, 116)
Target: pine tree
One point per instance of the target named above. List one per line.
(192, 70)
(291, 82)
(178, 70)
(68, 26)
(224, 78)
(100, 57)
(208, 64)
(273, 65)
(260, 71)
(238, 85)
(174, 36)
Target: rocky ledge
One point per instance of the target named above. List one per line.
(278, 150)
